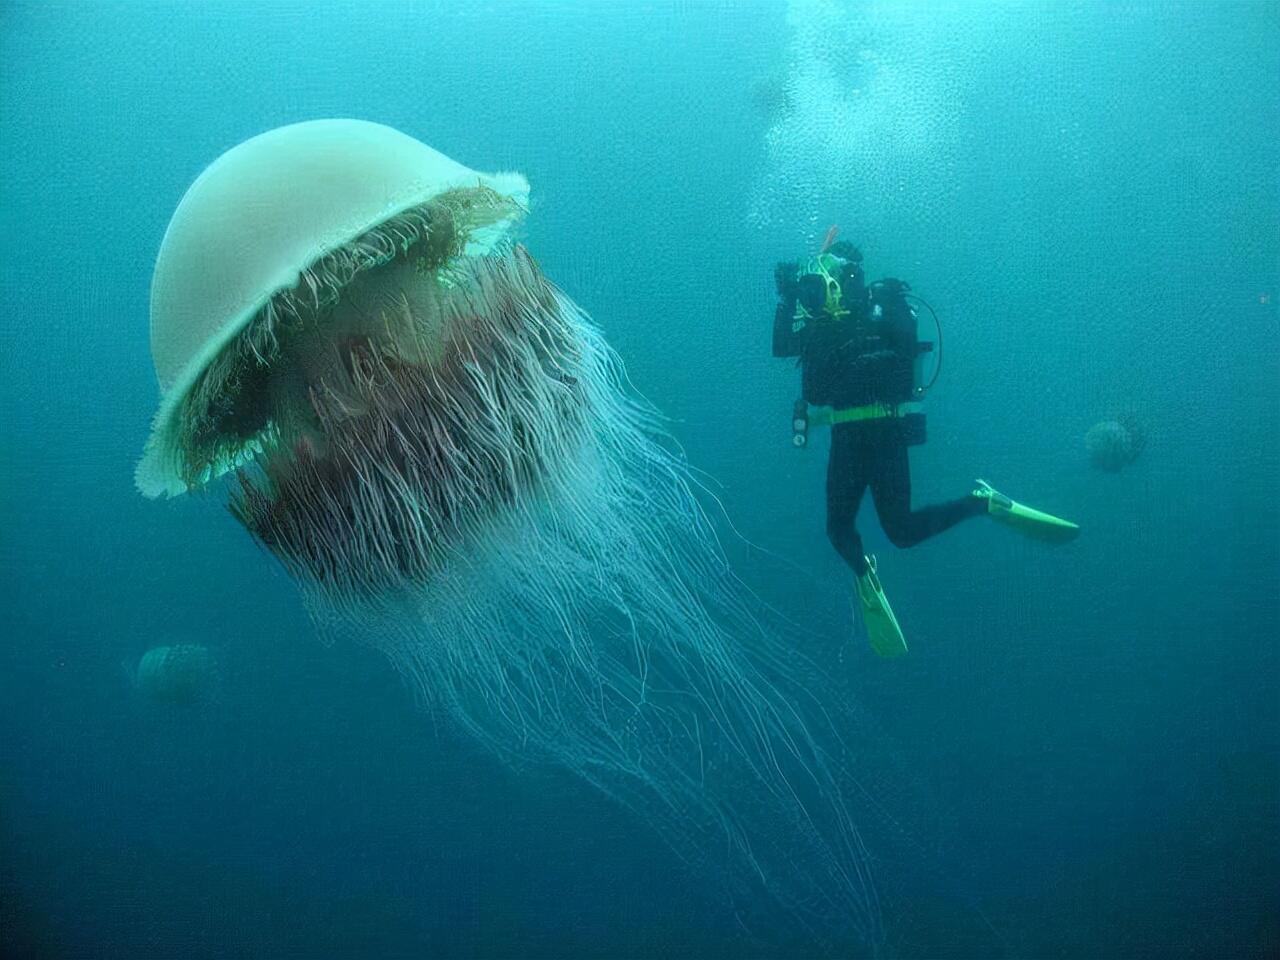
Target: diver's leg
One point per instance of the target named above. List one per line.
(848, 474)
(846, 482)
(891, 490)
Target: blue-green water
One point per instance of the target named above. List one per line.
(1081, 755)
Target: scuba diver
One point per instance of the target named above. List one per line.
(861, 367)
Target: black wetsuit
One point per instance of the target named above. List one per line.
(863, 355)
(863, 455)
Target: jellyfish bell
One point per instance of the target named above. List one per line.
(184, 674)
(1114, 444)
(439, 446)
(773, 98)
(265, 231)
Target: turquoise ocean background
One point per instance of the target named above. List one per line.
(1080, 757)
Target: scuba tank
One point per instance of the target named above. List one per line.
(893, 303)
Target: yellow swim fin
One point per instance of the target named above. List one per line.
(882, 626)
(1026, 520)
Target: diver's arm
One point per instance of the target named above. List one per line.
(787, 339)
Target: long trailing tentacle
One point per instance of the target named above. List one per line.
(497, 513)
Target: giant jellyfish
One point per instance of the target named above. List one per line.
(442, 450)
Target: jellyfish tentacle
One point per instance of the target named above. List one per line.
(441, 448)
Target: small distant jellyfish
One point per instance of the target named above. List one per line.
(1114, 444)
(773, 99)
(184, 674)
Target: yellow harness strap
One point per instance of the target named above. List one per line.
(829, 416)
